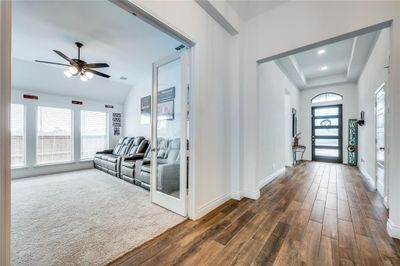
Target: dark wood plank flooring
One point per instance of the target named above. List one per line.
(316, 214)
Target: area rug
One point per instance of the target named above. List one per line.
(81, 218)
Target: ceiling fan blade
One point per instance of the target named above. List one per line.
(72, 62)
(53, 63)
(97, 65)
(98, 73)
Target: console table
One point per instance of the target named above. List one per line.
(298, 149)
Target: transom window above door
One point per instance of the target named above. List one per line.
(327, 97)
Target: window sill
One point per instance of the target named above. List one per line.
(53, 164)
(19, 167)
(86, 160)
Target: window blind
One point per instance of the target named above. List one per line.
(94, 135)
(54, 135)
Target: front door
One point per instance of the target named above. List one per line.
(169, 132)
(380, 139)
(327, 133)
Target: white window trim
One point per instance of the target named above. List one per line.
(24, 165)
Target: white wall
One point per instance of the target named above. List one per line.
(63, 102)
(132, 124)
(169, 76)
(372, 77)
(349, 110)
(272, 86)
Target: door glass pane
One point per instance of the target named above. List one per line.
(169, 128)
(326, 111)
(327, 152)
(326, 132)
(320, 122)
(327, 142)
(380, 121)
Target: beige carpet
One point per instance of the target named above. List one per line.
(81, 218)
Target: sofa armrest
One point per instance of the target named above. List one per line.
(136, 156)
(105, 151)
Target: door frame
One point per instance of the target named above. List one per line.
(177, 205)
(383, 87)
(5, 100)
(5, 138)
(340, 133)
(149, 17)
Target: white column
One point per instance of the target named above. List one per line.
(5, 99)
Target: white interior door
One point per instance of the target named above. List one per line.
(380, 139)
(169, 132)
(288, 130)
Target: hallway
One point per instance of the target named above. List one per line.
(318, 214)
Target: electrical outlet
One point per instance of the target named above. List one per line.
(273, 166)
(362, 160)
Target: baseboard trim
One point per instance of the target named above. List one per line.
(367, 177)
(268, 179)
(386, 202)
(251, 194)
(392, 229)
(236, 195)
(206, 208)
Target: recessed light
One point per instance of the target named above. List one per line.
(123, 78)
(322, 51)
(323, 68)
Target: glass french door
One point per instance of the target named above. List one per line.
(169, 141)
(327, 133)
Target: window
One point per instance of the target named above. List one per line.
(327, 97)
(17, 135)
(94, 135)
(54, 135)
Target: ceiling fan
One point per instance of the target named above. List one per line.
(78, 67)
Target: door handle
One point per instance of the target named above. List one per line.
(381, 148)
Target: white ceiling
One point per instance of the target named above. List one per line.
(109, 35)
(248, 9)
(343, 60)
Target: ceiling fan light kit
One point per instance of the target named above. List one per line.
(78, 67)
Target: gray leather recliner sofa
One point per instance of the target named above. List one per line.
(109, 161)
(168, 167)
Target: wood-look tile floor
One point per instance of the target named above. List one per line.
(316, 214)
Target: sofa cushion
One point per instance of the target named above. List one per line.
(111, 158)
(138, 146)
(128, 163)
(146, 168)
(118, 147)
(162, 147)
(174, 150)
(125, 146)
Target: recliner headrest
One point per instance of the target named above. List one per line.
(128, 140)
(176, 144)
(138, 140)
